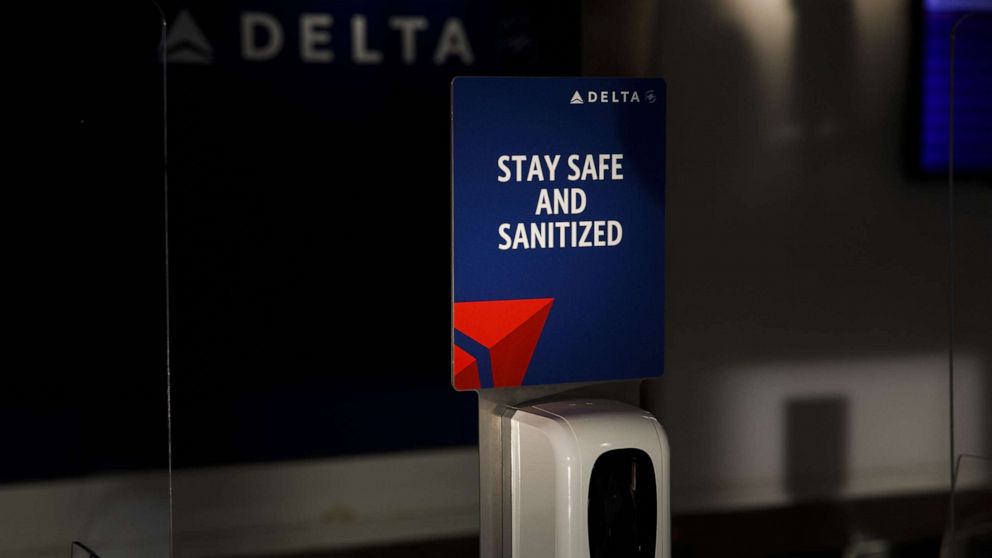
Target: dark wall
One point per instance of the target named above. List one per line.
(84, 374)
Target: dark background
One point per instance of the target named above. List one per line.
(84, 375)
(283, 177)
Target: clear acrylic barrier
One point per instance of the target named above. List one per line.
(969, 532)
(969, 166)
(967, 145)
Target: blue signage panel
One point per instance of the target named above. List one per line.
(559, 221)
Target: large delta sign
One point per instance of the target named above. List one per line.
(326, 38)
(558, 229)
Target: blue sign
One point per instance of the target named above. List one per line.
(559, 230)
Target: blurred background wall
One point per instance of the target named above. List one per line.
(807, 269)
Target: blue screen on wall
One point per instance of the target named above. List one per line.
(972, 87)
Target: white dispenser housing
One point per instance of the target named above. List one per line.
(588, 478)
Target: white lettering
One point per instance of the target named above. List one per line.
(595, 166)
(501, 163)
(408, 26)
(505, 245)
(578, 200)
(250, 48)
(573, 165)
(589, 168)
(315, 33)
(598, 233)
(543, 203)
(538, 238)
(617, 166)
(535, 170)
(620, 96)
(561, 232)
(520, 238)
(603, 158)
(552, 165)
(586, 225)
(360, 51)
(614, 233)
(569, 201)
(519, 160)
(570, 234)
(453, 42)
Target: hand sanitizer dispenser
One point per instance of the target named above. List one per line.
(587, 478)
(557, 310)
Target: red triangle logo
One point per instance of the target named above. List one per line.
(466, 370)
(510, 330)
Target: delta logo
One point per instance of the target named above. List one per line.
(620, 96)
(495, 340)
(325, 38)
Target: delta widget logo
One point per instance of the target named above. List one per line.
(495, 340)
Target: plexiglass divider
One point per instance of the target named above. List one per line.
(968, 34)
(969, 532)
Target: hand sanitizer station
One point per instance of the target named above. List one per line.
(558, 203)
